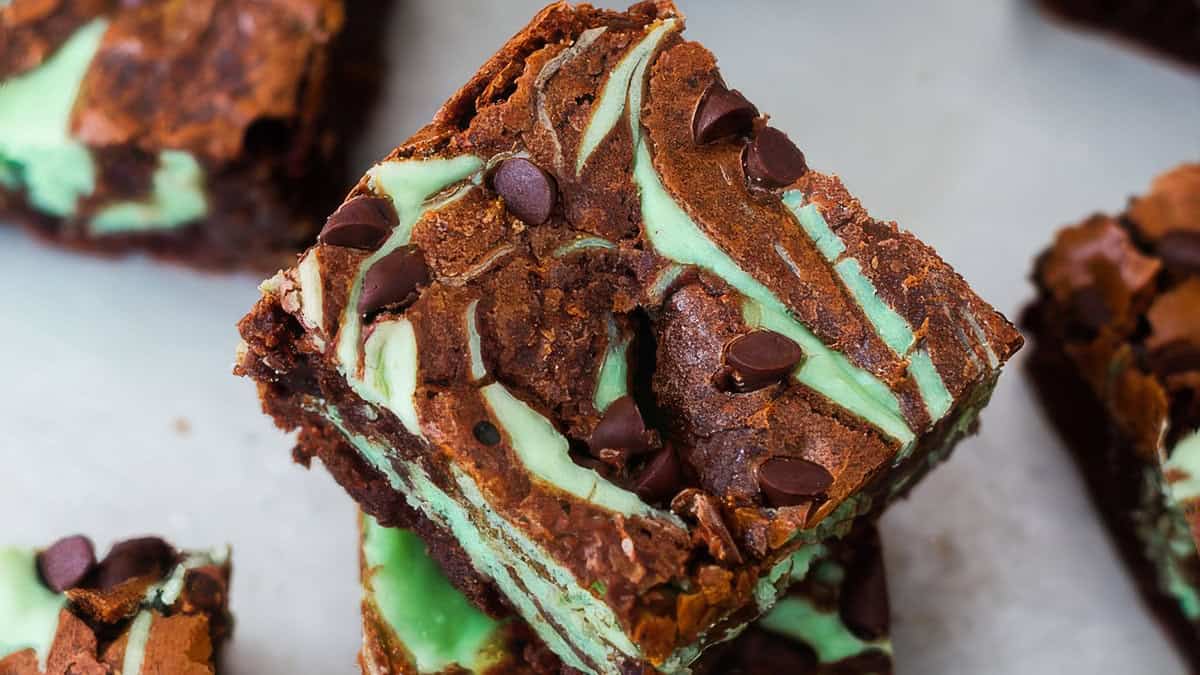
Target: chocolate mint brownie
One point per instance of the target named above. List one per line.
(1117, 365)
(144, 608)
(1169, 26)
(834, 618)
(601, 325)
(199, 131)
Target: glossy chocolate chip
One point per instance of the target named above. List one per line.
(1180, 251)
(66, 563)
(621, 428)
(393, 281)
(788, 481)
(722, 113)
(760, 358)
(864, 602)
(528, 191)
(363, 223)
(132, 558)
(661, 478)
(772, 160)
(487, 433)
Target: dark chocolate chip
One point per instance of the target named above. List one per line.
(772, 160)
(487, 433)
(1180, 251)
(393, 281)
(722, 113)
(66, 563)
(788, 481)
(661, 478)
(204, 590)
(1089, 308)
(528, 191)
(621, 428)
(132, 558)
(760, 358)
(363, 222)
(864, 602)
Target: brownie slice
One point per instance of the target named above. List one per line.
(144, 608)
(834, 619)
(601, 325)
(201, 131)
(1168, 26)
(1117, 366)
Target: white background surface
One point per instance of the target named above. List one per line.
(978, 125)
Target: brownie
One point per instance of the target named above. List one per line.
(144, 608)
(201, 131)
(1171, 27)
(833, 620)
(602, 327)
(1116, 326)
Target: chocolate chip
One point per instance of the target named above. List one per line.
(204, 590)
(760, 358)
(363, 222)
(661, 478)
(487, 433)
(66, 563)
(393, 281)
(528, 191)
(1180, 251)
(864, 602)
(772, 160)
(132, 558)
(621, 428)
(722, 113)
(788, 481)
(1089, 309)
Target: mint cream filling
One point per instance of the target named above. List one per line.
(28, 609)
(135, 647)
(176, 200)
(438, 626)
(583, 244)
(35, 126)
(1167, 540)
(474, 343)
(613, 381)
(1185, 459)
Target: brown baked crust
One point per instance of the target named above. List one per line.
(254, 106)
(544, 322)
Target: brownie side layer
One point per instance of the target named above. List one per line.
(1171, 27)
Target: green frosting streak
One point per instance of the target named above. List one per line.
(390, 371)
(312, 289)
(613, 380)
(178, 199)
(1167, 539)
(582, 245)
(544, 453)
(797, 618)
(663, 281)
(35, 119)
(827, 242)
(28, 610)
(135, 648)
(977, 330)
(1185, 459)
(436, 623)
(794, 567)
(474, 346)
(611, 104)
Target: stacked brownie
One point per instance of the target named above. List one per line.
(1117, 365)
(199, 131)
(144, 608)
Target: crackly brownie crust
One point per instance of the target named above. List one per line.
(1117, 366)
(1171, 27)
(585, 276)
(144, 607)
(246, 90)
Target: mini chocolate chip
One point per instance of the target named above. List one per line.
(66, 563)
(760, 358)
(864, 602)
(487, 433)
(393, 281)
(528, 191)
(1180, 251)
(621, 428)
(788, 481)
(363, 222)
(722, 113)
(134, 558)
(661, 478)
(772, 160)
